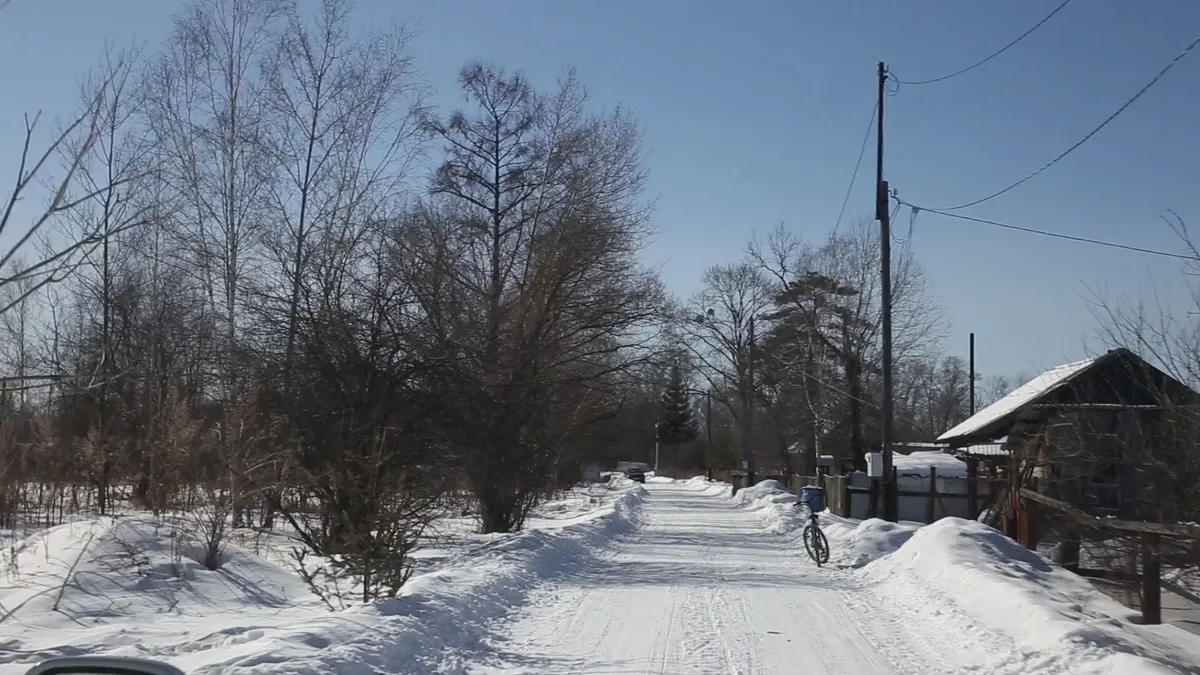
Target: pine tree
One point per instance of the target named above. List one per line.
(678, 423)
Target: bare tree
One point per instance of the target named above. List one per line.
(344, 133)
(344, 130)
(829, 308)
(537, 235)
(209, 108)
(17, 325)
(75, 142)
(994, 388)
(717, 324)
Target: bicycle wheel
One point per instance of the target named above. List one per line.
(816, 544)
(821, 544)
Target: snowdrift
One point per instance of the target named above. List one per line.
(852, 543)
(964, 579)
(112, 568)
(122, 586)
(1056, 621)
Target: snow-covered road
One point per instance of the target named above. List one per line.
(701, 588)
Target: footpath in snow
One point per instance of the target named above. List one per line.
(702, 588)
(710, 584)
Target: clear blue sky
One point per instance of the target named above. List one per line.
(754, 112)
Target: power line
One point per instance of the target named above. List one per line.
(994, 54)
(858, 163)
(1045, 233)
(1086, 138)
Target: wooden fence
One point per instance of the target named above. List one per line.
(922, 499)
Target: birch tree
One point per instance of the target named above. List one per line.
(344, 133)
(209, 107)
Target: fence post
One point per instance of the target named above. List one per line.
(1151, 577)
(972, 488)
(931, 496)
(873, 499)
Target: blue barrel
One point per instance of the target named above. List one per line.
(813, 497)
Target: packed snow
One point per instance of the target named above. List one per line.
(669, 577)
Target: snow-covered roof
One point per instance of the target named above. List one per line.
(919, 462)
(985, 449)
(1016, 399)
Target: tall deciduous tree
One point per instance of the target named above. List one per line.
(716, 325)
(210, 109)
(536, 242)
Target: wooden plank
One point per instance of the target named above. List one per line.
(1079, 516)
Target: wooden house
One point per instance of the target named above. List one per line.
(1096, 435)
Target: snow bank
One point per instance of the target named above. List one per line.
(964, 579)
(856, 543)
(1056, 621)
(709, 487)
(121, 586)
(851, 542)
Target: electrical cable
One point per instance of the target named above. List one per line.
(994, 54)
(901, 241)
(1045, 233)
(857, 164)
(1086, 138)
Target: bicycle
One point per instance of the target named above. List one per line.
(813, 498)
(814, 540)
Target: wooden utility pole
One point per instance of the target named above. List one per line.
(890, 505)
(748, 443)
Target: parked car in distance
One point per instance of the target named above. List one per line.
(634, 470)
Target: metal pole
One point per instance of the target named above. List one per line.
(972, 373)
(885, 249)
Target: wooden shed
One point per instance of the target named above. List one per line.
(1092, 434)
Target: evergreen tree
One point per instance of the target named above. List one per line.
(678, 423)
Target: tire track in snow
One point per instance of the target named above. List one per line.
(702, 588)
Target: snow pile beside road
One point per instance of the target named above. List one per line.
(982, 582)
(121, 586)
(708, 487)
(851, 542)
(963, 578)
(856, 543)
